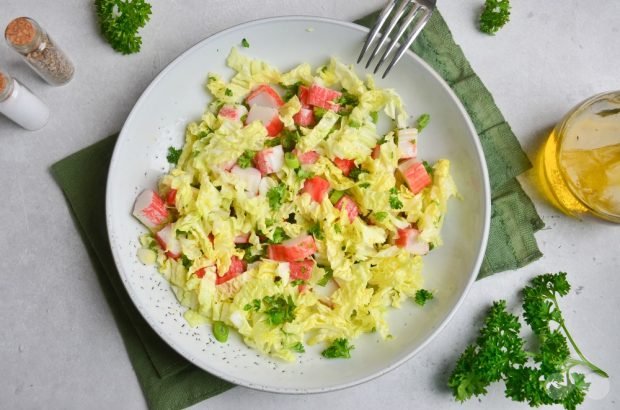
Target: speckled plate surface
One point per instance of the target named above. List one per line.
(177, 97)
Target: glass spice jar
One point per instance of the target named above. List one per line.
(41, 53)
(20, 105)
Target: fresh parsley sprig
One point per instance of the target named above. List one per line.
(174, 155)
(422, 296)
(279, 309)
(495, 14)
(544, 376)
(275, 196)
(395, 202)
(120, 21)
(339, 349)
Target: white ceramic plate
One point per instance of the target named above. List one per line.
(177, 96)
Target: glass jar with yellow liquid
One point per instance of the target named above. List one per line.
(579, 165)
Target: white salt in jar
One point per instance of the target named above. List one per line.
(20, 105)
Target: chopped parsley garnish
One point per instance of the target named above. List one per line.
(255, 305)
(395, 203)
(422, 122)
(173, 155)
(422, 296)
(304, 174)
(187, 263)
(291, 90)
(495, 15)
(355, 173)
(289, 139)
(298, 282)
(319, 112)
(346, 99)
(203, 134)
(329, 273)
(380, 216)
(228, 92)
(315, 230)
(427, 167)
(245, 43)
(298, 347)
(245, 160)
(278, 235)
(340, 348)
(347, 102)
(272, 142)
(364, 185)
(276, 195)
(250, 257)
(279, 309)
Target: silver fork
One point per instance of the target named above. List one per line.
(418, 10)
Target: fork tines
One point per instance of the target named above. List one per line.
(408, 17)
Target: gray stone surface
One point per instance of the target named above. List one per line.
(59, 346)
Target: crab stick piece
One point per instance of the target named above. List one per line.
(150, 209)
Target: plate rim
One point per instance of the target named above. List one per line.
(289, 390)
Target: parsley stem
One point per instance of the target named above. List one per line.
(583, 361)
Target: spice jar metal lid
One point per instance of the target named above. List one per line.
(22, 33)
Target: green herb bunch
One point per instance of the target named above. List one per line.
(120, 21)
(543, 376)
(495, 14)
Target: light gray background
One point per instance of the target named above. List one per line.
(59, 346)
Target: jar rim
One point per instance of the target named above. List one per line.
(23, 34)
(6, 86)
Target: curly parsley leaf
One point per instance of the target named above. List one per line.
(275, 196)
(315, 230)
(395, 202)
(422, 296)
(278, 235)
(255, 305)
(538, 378)
(298, 347)
(173, 155)
(329, 273)
(495, 14)
(120, 21)
(427, 167)
(279, 309)
(339, 349)
(187, 263)
(245, 160)
(304, 174)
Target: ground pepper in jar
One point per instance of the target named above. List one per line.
(38, 49)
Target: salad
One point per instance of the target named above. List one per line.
(288, 216)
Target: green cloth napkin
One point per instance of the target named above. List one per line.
(168, 380)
